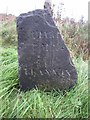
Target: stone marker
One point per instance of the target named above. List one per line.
(44, 60)
(48, 6)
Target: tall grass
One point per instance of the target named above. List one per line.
(75, 35)
(40, 104)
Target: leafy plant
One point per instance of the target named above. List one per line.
(8, 33)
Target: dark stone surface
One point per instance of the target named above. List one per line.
(44, 60)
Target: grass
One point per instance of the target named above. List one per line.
(36, 103)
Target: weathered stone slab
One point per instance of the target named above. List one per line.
(44, 60)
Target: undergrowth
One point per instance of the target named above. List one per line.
(40, 104)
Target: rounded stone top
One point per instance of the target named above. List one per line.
(48, 6)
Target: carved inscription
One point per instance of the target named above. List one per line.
(44, 60)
